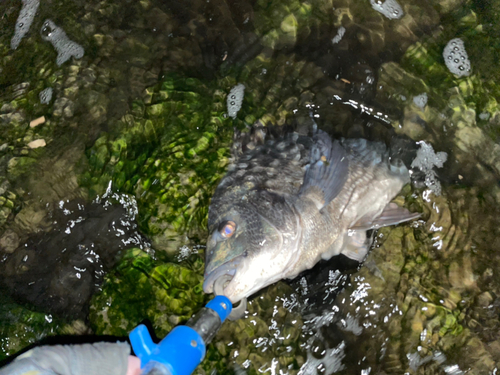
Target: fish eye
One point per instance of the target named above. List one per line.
(227, 229)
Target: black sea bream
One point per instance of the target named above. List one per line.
(286, 204)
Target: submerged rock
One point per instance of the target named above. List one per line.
(169, 144)
(58, 271)
(20, 327)
(169, 153)
(166, 294)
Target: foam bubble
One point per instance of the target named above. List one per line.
(426, 160)
(46, 95)
(420, 100)
(340, 34)
(484, 116)
(64, 46)
(389, 8)
(456, 58)
(235, 99)
(24, 21)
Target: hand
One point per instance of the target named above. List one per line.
(88, 359)
(134, 365)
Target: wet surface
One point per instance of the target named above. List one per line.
(145, 109)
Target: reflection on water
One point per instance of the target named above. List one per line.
(145, 108)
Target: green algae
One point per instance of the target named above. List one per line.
(169, 153)
(166, 294)
(21, 327)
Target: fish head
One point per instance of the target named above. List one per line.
(248, 248)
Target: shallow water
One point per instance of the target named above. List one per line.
(142, 115)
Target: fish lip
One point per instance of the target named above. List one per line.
(228, 268)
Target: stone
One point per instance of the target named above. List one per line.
(9, 241)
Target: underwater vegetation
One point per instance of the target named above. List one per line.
(143, 114)
(170, 151)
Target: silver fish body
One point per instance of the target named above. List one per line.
(287, 204)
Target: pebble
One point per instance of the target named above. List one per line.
(37, 143)
(37, 121)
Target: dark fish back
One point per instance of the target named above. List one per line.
(275, 166)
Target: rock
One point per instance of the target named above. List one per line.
(57, 270)
(9, 241)
(484, 299)
(63, 107)
(37, 121)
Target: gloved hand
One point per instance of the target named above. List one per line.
(101, 358)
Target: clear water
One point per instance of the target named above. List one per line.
(145, 109)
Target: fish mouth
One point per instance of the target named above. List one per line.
(226, 271)
(238, 311)
(217, 280)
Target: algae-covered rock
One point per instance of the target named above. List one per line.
(56, 270)
(460, 115)
(170, 152)
(166, 294)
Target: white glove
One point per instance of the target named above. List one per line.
(102, 358)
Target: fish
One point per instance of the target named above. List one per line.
(287, 203)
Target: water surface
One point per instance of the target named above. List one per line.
(107, 194)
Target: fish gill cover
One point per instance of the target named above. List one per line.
(424, 290)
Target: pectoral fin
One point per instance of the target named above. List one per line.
(391, 215)
(327, 171)
(356, 245)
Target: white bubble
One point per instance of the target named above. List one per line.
(46, 95)
(235, 100)
(389, 8)
(484, 116)
(340, 34)
(24, 21)
(420, 100)
(64, 46)
(426, 160)
(456, 58)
